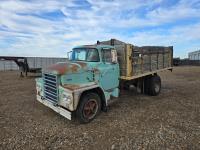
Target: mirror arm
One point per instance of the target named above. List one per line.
(68, 54)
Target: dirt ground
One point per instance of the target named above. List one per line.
(168, 121)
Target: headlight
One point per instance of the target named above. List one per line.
(39, 89)
(66, 100)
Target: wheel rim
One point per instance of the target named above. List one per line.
(90, 109)
(157, 87)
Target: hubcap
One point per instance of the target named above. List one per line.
(90, 109)
(157, 87)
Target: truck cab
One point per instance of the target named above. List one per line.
(84, 85)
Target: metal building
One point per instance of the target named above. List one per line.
(33, 62)
(8, 65)
(194, 55)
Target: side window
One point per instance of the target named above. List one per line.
(106, 55)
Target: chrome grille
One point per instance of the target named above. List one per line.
(50, 87)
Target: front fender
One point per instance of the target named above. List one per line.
(77, 90)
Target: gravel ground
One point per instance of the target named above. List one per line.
(168, 121)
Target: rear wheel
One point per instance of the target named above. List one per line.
(155, 85)
(146, 84)
(89, 107)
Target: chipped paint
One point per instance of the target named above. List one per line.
(77, 90)
(96, 70)
(71, 86)
(75, 87)
(67, 67)
(82, 64)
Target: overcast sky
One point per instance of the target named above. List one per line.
(53, 27)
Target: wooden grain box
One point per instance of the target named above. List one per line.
(137, 61)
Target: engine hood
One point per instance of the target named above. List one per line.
(66, 68)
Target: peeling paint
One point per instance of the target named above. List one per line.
(82, 64)
(74, 87)
(63, 68)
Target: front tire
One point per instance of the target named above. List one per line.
(89, 107)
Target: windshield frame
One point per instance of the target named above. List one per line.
(87, 51)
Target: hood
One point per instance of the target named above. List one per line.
(66, 67)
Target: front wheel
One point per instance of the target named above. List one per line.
(89, 107)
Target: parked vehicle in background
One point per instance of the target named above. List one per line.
(95, 74)
(176, 61)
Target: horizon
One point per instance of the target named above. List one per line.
(52, 28)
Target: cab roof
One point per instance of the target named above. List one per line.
(98, 46)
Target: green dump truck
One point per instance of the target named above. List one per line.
(93, 77)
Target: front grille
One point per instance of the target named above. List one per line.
(50, 87)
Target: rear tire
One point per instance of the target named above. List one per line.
(146, 84)
(155, 85)
(89, 107)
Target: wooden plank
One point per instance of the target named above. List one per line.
(137, 61)
(128, 60)
(144, 74)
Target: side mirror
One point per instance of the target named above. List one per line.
(114, 56)
(69, 55)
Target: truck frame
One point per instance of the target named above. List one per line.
(95, 74)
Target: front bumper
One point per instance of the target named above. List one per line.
(65, 113)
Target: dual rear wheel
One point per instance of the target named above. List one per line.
(152, 85)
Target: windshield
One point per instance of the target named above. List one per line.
(85, 54)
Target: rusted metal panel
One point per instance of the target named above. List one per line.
(78, 87)
(65, 67)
